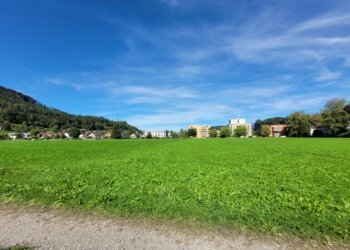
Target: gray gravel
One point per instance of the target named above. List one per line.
(62, 229)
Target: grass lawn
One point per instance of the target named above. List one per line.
(273, 185)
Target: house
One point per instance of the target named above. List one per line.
(83, 136)
(202, 130)
(133, 136)
(277, 130)
(159, 134)
(26, 136)
(95, 135)
(107, 135)
(1, 127)
(325, 131)
(237, 122)
(12, 136)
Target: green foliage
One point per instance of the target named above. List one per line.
(149, 135)
(173, 134)
(240, 131)
(7, 125)
(192, 132)
(182, 133)
(225, 132)
(34, 132)
(298, 124)
(74, 133)
(265, 131)
(296, 186)
(116, 131)
(336, 116)
(213, 133)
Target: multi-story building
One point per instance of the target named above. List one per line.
(202, 130)
(159, 134)
(277, 130)
(234, 123)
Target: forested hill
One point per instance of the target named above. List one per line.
(18, 108)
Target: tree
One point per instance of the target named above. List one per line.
(149, 135)
(34, 132)
(7, 125)
(173, 134)
(265, 131)
(337, 121)
(225, 132)
(335, 104)
(316, 120)
(74, 133)
(298, 124)
(213, 133)
(116, 131)
(182, 133)
(336, 116)
(240, 131)
(192, 132)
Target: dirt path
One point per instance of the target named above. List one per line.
(61, 229)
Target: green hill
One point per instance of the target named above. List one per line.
(18, 108)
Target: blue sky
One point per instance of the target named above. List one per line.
(167, 64)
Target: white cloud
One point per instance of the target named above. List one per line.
(327, 75)
(323, 22)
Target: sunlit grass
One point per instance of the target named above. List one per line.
(296, 186)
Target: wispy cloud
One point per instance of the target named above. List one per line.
(327, 75)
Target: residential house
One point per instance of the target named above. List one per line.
(326, 131)
(234, 123)
(95, 135)
(202, 130)
(1, 127)
(12, 136)
(107, 135)
(26, 136)
(83, 136)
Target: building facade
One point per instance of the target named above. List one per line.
(277, 130)
(234, 123)
(202, 130)
(159, 134)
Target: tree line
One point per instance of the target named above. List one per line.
(334, 116)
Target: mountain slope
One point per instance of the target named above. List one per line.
(18, 108)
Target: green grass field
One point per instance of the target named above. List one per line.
(295, 186)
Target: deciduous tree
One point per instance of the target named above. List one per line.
(74, 133)
(182, 133)
(265, 131)
(213, 133)
(240, 131)
(298, 124)
(225, 132)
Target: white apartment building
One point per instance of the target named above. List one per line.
(202, 130)
(159, 134)
(234, 123)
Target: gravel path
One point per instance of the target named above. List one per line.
(62, 229)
